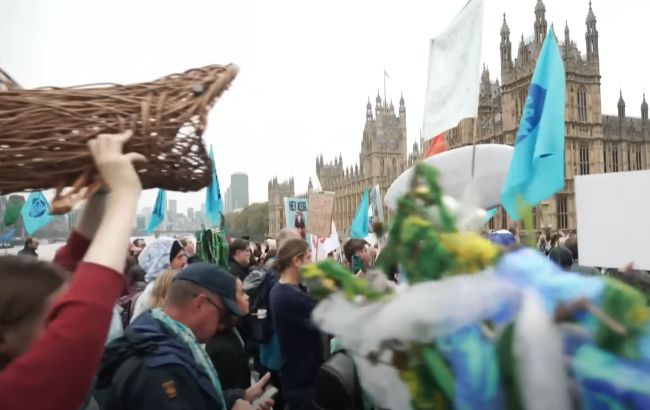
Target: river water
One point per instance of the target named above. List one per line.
(46, 251)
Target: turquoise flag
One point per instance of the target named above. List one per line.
(213, 202)
(537, 166)
(36, 212)
(158, 214)
(359, 227)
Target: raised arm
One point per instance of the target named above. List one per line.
(69, 255)
(74, 337)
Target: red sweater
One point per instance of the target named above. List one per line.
(57, 371)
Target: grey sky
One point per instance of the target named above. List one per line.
(307, 68)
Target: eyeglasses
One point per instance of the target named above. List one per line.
(213, 303)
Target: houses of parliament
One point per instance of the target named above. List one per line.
(594, 143)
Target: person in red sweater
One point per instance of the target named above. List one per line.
(52, 332)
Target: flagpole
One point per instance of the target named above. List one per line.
(385, 103)
(474, 138)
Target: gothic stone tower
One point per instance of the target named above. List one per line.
(382, 159)
(277, 191)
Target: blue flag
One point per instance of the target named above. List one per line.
(359, 227)
(537, 166)
(36, 212)
(213, 202)
(158, 214)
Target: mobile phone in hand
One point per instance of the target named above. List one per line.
(269, 393)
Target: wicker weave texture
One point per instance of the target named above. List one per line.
(44, 132)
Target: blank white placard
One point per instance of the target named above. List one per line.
(613, 212)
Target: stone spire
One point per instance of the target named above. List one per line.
(591, 36)
(541, 26)
(621, 106)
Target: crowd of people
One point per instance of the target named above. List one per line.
(151, 326)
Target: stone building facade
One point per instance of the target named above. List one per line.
(277, 191)
(595, 143)
(383, 157)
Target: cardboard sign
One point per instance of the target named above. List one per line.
(613, 219)
(321, 206)
(295, 210)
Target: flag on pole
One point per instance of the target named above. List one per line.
(537, 166)
(453, 74)
(12, 209)
(213, 202)
(359, 228)
(436, 146)
(36, 212)
(158, 214)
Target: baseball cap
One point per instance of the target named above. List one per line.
(215, 279)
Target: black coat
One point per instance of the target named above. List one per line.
(238, 271)
(229, 357)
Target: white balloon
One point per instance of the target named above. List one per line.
(491, 167)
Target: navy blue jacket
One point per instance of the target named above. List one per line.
(149, 368)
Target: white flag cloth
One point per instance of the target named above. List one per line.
(453, 76)
(321, 247)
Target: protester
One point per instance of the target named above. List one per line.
(159, 362)
(357, 255)
(561, 256)
(162, 254)
(49, 326)
(29, 250)
(227, 350)
(161, 288)
(300, 341)
(189, 246)
(571, 244)
(239, 255)
(135, 285)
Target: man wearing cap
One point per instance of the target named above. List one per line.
(160, 363)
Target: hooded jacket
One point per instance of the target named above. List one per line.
(149, 368)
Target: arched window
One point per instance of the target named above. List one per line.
(584, 159)
(582, 104)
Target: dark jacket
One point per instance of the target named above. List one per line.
(28, 252)
(238, 270)
(229, 357)
(149, 368)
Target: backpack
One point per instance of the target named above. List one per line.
(337, 386)
(258, 287)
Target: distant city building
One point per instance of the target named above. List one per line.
(237, 192)
(190, 214)
(227, 201)
(173, 207)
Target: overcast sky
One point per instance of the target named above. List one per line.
(307, 68)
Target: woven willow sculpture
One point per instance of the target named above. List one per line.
(44, 133)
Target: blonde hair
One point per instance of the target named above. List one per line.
(161, 287)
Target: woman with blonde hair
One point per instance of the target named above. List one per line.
(161, 287)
